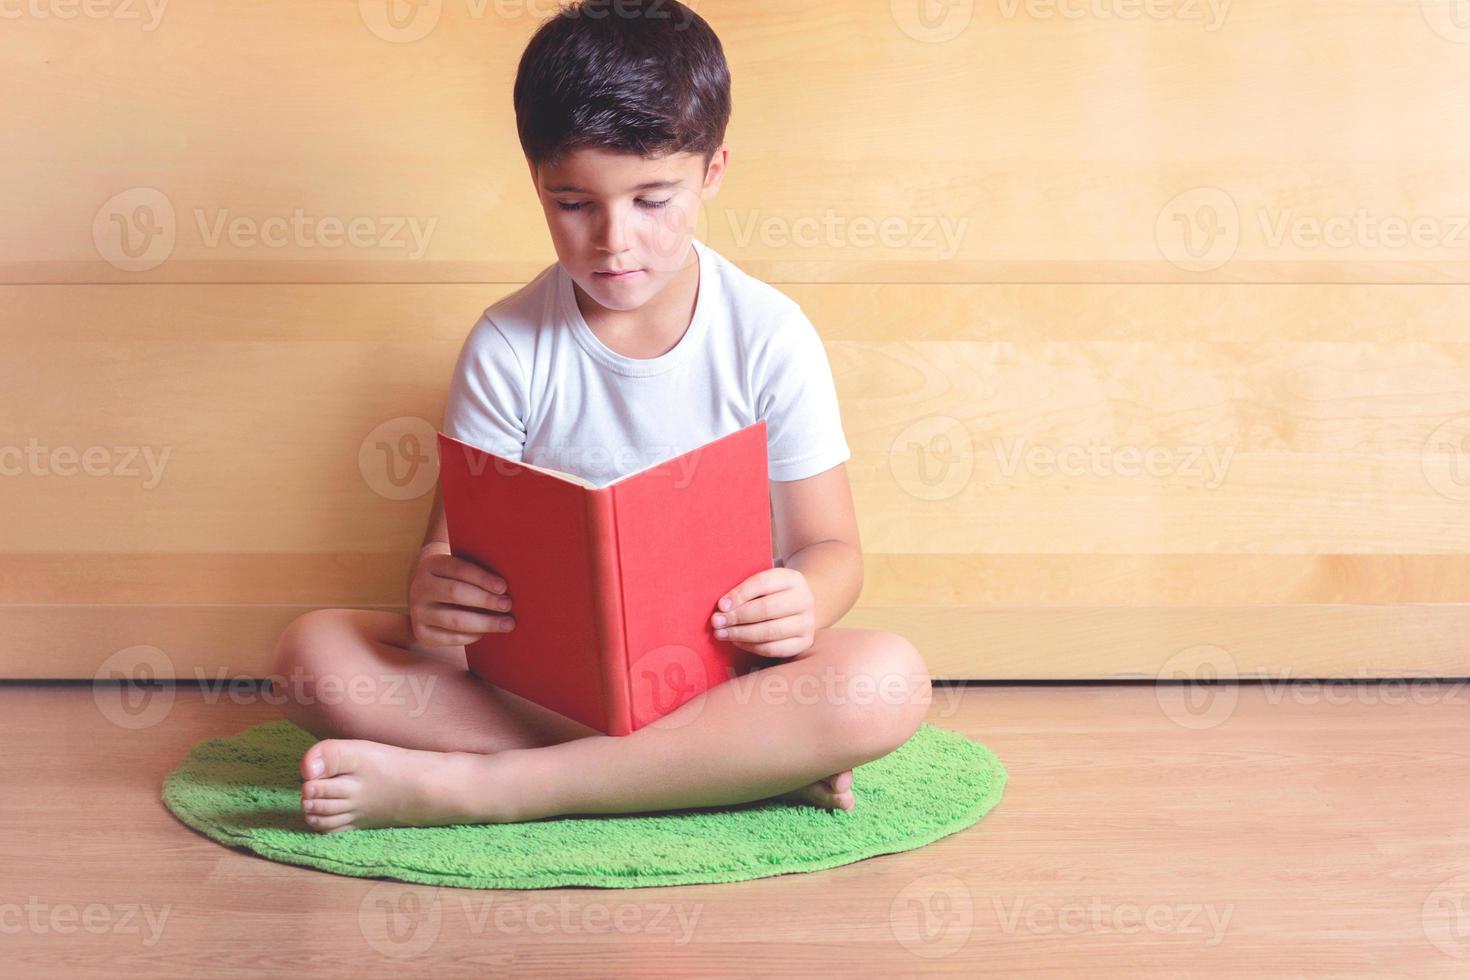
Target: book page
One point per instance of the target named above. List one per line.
(583, 482)
(569, 477)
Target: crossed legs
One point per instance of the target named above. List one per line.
(411, 738)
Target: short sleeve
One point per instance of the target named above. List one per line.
(487, 394)
(797, 397)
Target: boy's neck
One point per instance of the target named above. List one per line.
(657, 326)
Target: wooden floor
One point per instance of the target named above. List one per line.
(1243, 831)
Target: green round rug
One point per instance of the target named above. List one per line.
(245, 791)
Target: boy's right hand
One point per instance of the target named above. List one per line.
(452, 601)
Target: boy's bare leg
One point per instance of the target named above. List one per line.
(358, 674)
(854, 696)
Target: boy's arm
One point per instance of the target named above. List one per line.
(816, 533)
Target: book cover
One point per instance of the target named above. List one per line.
(613, 586)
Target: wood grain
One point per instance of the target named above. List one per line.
(1181, 230)
(1281, 833)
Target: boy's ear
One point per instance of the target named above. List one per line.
(715, 171)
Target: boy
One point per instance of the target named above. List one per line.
(638, 344)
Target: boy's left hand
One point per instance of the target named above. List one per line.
(770, 614)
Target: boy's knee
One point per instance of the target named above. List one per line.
(310, 645)
(303, 639)
(882, 695)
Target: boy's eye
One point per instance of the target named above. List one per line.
(579, 205)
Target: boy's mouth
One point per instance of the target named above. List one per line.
(618, 276)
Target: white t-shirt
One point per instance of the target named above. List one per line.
(533, 383)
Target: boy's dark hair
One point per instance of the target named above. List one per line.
(639, 76)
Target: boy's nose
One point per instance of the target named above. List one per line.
(612, 234)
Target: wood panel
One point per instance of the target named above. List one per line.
(209, 643)
(1330, 493)
(1187, 233)
(930, 580)
(252, 415)
(1028, 146)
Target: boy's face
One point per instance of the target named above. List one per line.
(611, 211)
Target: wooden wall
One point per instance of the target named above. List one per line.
(1224, 247)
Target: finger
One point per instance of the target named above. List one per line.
(464, 570)
(453, 592)
(431, 635)
(785, 602)
(764, 632)
(769, 580)
(461, 620)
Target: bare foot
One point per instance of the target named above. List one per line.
(351, 783)
(832, 793)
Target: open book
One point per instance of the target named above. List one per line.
(612, 586)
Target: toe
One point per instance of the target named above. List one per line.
(818, 794)
(312, 765)
(340, 821)
(336, 788)
(327, 758)
(840, 783)
(326, 808)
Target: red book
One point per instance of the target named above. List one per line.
(613, 586)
